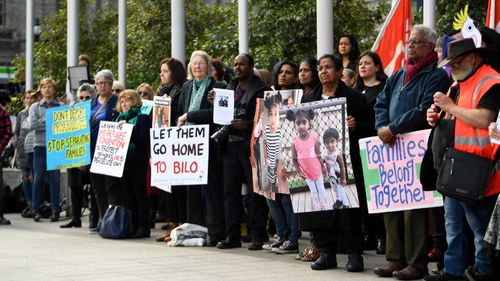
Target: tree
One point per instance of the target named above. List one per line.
(278, 30)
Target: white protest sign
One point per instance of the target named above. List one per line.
(223, 106)
(111, 148)
(179, 155)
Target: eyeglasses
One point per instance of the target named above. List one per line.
(199, 63)
(144, 94)
(84, 97)
(417, 42)
(101, 83)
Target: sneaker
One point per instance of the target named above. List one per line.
(288, 247)
(473, 274)
(444, 277)
(275, 244)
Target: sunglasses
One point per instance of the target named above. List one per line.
(84, 97)
(116, 90)
(144, 94)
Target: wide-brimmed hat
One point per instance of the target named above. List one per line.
(462, 47)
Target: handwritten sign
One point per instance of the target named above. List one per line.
(179, 155)
(68, 136)
(111, 148)
(392, 174)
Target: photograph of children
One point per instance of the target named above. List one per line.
(161, 112)
(255, 152)
(315, 145)
(269, 175)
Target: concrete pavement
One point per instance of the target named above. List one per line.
(43, 251)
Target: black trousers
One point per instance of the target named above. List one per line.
(237, 170)
(346, 225)
(175, 204)
(214, 195)
(134, 191)
(107, 189)
(77, 179)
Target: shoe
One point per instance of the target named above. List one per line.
(275, 244)
(288, 247)
(254, 246)
(444, 277)
(435, 255)
(26, 212)
(95, 230)
(409, 273)
(324, 261)
(212, 242)
(229, 243)
(72, 223)
(4, 221)
(473, 274)
(141, 232)
(54, 217)
(37, 217)
(355, 263)
(311, 255)
(380, 249)
(388, 270)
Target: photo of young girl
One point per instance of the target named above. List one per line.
(335, 167)
(307, 158)
(272, 139)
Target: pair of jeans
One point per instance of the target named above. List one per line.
(456, 213)
(27, 181)
(284, 217)
(40, 169)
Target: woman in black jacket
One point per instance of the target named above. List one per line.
(195, 109)
(136, 165)
(327, 227)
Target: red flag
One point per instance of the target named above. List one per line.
(391, 41)
(493, 15)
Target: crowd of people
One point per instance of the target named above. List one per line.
(446, 76)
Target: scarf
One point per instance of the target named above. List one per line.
(197, 94)
(172, 90)
(411, 70)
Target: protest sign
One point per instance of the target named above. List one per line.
(161, 112)
(179, 155)
(111, 148)
(68, 136)
(497, 128)
(392, 174)
(318, 176)
(147, 106)
(223, 106)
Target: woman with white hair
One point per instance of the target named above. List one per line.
(102, 108)
(193, 109)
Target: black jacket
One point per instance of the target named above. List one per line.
(249, 103)
(204, 115)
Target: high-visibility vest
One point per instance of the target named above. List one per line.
(476, 140)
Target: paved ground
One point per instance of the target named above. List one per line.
(43, 251)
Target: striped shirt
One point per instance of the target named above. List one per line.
(273, 145)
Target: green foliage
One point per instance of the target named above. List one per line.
(278, 30)
(15, 104)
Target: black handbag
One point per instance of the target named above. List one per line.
(116, 223)
(464, 176)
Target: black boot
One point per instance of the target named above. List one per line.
(72, 223)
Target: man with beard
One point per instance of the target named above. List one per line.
(401, 108)
(476, 105)
(247, 88)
